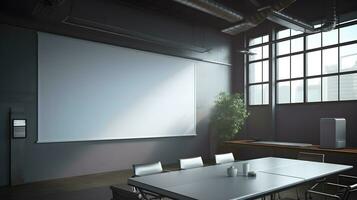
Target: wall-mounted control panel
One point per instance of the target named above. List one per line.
(18, 128)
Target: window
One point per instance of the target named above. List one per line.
(290, 71)
(317, 67)
(258, 71)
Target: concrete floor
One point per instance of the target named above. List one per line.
(89, 187)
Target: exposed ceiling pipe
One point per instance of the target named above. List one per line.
(272, 13)
(213, 8)
(290, 22)
(331, 21)
(258, 18)
(299, 25)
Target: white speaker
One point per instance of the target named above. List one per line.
(332, 133)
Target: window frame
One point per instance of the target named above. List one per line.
(262, 60)
(305, 51)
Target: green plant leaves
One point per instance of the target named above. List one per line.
(229, 115)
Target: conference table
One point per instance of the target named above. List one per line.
(212, 183)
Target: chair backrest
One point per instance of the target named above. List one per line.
(147, 169)
(316, 157)
(121, 194)
(189, 163)
(224, 158)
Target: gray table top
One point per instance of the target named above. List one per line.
(212, 183)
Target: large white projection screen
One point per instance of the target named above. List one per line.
(93, 91)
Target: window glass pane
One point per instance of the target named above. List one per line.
(348, 57)
(255, 41)
(265, 71)
(284, 92)
(255, 72)
(293, 32)
(297, 66)
(313, 63)
(265, 38)
(330, 61)
(314, 90)
(266, 51)
(265, 93)
(348, 87)
(297, 91)
(348, 33)
(330, 37)
(330, 88)
(297, 45)
(283, 67)
(283, 34)
(314, 41)
(255, 95)
(283, 47)
(257, 54)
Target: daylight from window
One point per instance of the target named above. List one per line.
(319, 67)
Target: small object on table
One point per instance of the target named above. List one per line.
(232, 171)
(252, 174)
(246, 168)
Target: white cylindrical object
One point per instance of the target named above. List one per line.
(232, 171)
(246, 168)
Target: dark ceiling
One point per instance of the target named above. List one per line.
(308, 10)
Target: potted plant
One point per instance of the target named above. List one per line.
(228, 117)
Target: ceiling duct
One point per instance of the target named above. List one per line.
(299, 25)
(258, 17)
(213, 8)
(290, 22)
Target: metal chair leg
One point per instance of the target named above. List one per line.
(305, 195)
(297, 194)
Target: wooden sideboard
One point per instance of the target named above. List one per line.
(313, 148)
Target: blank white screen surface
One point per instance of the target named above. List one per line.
(93, 91)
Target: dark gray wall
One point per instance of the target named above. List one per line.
(18, 91)
(301, 123)
(17, 88)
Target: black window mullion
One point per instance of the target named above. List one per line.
(338, 67)
(305, 71)
(321, 68)
(262, 51)
(260, 60)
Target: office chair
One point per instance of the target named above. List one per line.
(144, 170)
(189, 163)
(344, 191)
(306, 156)
(120, 194)
(224, 158)
(147, 169)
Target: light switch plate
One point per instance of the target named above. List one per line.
(18, 128)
